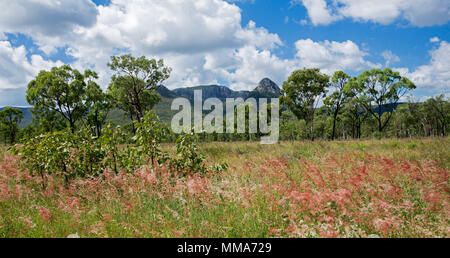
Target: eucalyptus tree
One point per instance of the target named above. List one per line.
(98, 102)
(302, 92)
(60, 90)
(353, 109)
(382, 89)
(401, 121)
(336, 100)
(437, 113)
(135, 82)
(10, 119)
(46, 121)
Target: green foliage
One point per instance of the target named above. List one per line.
(47, 121)
(336, 100)
(48, 154)
(88, 154)
(9, 123)
(85, 155)
(189, 160)
(134, 84)
(412, 145)
(436, 114)
(302, 91)
(98, 102)
(382, 88)
(148, 136)
(61, 90)
(65, 154)
(119, 155)
(110, 141)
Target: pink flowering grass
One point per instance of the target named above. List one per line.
(299, 189)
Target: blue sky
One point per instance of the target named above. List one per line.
(234, 43)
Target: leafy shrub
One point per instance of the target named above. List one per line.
(148, 136)
(118, 155)
(412, 145)
(51, 153)
(361, 146)
(379, 135)
(393, 144)
(84, 155)
(89, 154)
(189, 160)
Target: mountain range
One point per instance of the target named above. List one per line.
(265, 89)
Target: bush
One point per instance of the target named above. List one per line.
(88, 154)
(84, 155)
(51, 153)
(412, 145)
(116, 157)
(189, 160)
(148, 137)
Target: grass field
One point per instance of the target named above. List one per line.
(371, 188)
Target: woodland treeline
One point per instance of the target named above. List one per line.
(314, 105)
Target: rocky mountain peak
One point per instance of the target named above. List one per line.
(266, 85)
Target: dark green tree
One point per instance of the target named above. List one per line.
(436, 112)
(135, 82)
(382, 89)
(149, 136)
(353, 111)
(302, 92)
(46, 121)
(98, 102)
(10, 119)
(338, 98)
(60, 90)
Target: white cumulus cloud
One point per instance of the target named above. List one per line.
(434, 39)
(416, 12)
(331, 56)
(319, 12)
(390, 57)
(185, 33)
(435, 76)
(16, 70)
(47, 21)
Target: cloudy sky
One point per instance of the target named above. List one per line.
(233, 43)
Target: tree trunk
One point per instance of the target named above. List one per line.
(380, 128)
(380, 124)
(13, 137)
(334, 124)
(132, 125)
(72, 125)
